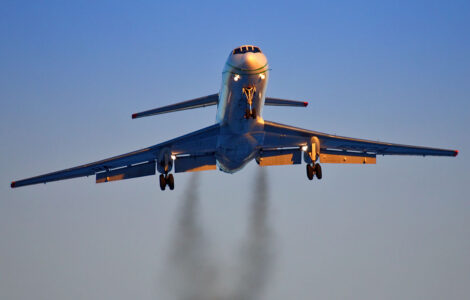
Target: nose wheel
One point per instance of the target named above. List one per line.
(313, 171)
(167, 180)
(250, 114)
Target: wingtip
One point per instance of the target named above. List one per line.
(305, 104)
(13, 184)
(134, 116)
(456, 152)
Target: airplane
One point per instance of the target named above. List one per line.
(239, 135)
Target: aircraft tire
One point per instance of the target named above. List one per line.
(247, 113)
(170, 180)
(318, 172)
(310, 172)
(162, 182)
(253, 113)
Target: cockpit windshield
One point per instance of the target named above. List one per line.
(245, 49)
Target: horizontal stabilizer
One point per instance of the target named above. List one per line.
(284, 102)
(194, 103)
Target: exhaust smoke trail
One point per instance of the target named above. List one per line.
(257, 249)
(194, 274)
(189, 272)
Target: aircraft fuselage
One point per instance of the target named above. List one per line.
(241, 100)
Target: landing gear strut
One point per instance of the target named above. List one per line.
(314, 170)
(250, 114)
(167, 179)
(249, 92)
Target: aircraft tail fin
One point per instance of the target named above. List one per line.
(189, 104)
(284, 102)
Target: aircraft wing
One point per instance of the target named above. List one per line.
(285, 136)
(137, 163)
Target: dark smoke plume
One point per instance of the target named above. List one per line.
(189, 270)
(257, 252)
(193, 272)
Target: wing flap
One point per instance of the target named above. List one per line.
(140, 170)
(279, 157)
(346, 157)
(195, 163)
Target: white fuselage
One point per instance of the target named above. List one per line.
(241, 136)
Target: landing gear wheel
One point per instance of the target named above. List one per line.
(162, 182)
(170, 181)
(310, 172)
(318, 171)
(253, 113)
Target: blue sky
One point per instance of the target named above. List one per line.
(71, 75)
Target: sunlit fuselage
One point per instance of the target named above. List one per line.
(240, 137)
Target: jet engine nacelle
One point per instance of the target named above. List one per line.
(313, 150)
(164, 161)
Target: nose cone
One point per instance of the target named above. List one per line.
(248, 61)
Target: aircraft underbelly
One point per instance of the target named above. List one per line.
(235, 150)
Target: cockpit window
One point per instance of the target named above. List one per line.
(245, 49)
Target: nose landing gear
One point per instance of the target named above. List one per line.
(250, 114)
(314, 170)
(249, 92)
(167, 179)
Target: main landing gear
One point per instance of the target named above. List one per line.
(167, 179)
(314, 170)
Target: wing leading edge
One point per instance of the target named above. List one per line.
(280, 135)
(198, 142)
